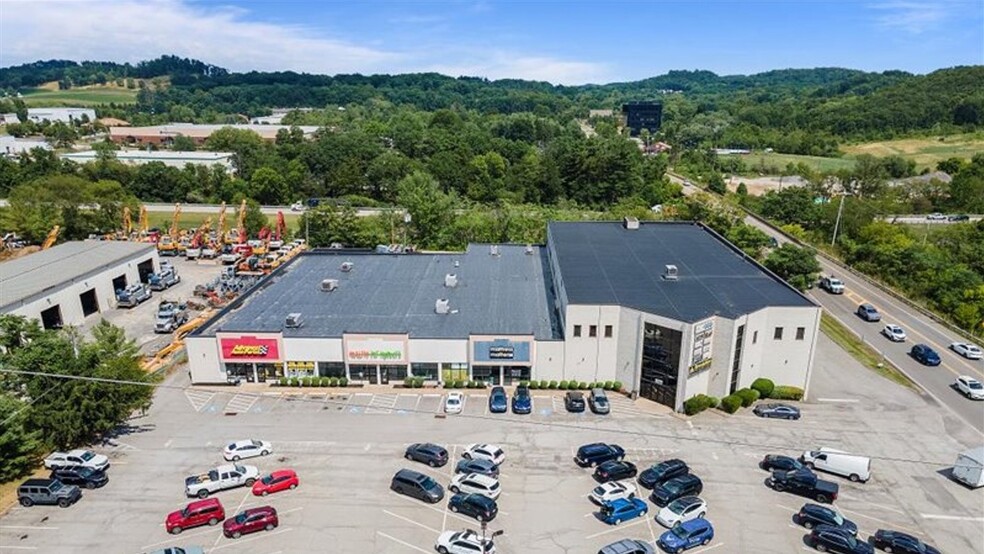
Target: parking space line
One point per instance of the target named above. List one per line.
(713, 546)
(406, 544)
(951, 518)
(417, 404)
(408, 520)
(250, 539)
(616, 528)
(183, 535)
(236, 511)
(882, 506)
(29, 527)
(3, 546)
(859, 514)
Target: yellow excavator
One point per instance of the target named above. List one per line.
(127, 223)
(52, 237)
(220, 238)
(168, 245)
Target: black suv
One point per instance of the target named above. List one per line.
(834, 539)
(663, 471)
(428, 453)
(417, 485)
(477, 506)
(47, 491)
(596, 453)
(82, 476)
(614, 471)
(678, 487)
(778, 461)
(574, 402)
(812, 515)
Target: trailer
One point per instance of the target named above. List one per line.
(969, 467)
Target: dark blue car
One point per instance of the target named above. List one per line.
(617, 511)
(686, 535)
(925, 355)
(498, 401)
(522, 402)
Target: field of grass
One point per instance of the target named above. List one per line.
(926, 151)
(88, 96)
(765, 163)
(862, 352)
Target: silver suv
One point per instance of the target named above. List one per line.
(628, 546)
(598, 401)
(47, 491)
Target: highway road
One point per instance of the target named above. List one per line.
(920, 219)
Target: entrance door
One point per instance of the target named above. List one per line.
(52, 318)
(660, 364)
(89, 303)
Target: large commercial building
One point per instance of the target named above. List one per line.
(64, 115)
(12, 147)
(162, 135)
(168, 158)
(643, 115)
(69, 282)
(668, 309)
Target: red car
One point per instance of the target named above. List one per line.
(199, 512)
(277, 481)
(251, 521)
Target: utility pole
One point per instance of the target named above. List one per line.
(840, 210)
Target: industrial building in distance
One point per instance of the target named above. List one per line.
(643, 115)
(163, 135)
(168, 158)
(668, 309)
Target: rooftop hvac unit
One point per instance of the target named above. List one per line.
(347, 266)
(329, 285)
(670, 273)
(494, 250)
(450, 280)
(457, 263)
(442, 306)
(630, 222)
(293, 321)
(529, 249)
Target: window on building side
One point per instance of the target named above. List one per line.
(577, 330)
(755, 337)
(608, 331)
(800, 333)
(778, 334)
(593, 331)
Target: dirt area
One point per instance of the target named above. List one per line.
(757, 186)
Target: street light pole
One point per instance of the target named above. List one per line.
(840, 210)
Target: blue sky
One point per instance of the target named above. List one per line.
(560, 42)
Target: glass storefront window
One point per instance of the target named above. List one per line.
(660, 364)
(454, 372)
(513, 374)
(239, 371)
(392, 373)
(331, 369)
(269, 371)
(426, 370)
(485, 373)
(359, 372)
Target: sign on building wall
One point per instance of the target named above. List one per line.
(300, 366)
(501, 351)
(376, 350)
(248, 348)
(702, 343)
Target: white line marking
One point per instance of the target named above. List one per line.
(713, 546)
(614, 528)
(406, 544)
(29, 527)
(846, 400)
(787, 508)
(859, 514)
(18, 547)
(408, 520)
(250, 539)
(951, 518)
(185, 535)
(168, 443)
(368, 446)
(297, 509)
(236, 511)
(882, 506)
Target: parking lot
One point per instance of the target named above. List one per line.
(346, 451)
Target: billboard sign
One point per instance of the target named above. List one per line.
(702, 343)
(247, 348)
(374, 350)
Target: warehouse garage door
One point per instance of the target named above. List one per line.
(119, 283)
(89, 303)
(145, 268)
(52, 318)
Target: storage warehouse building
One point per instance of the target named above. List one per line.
(668, 309)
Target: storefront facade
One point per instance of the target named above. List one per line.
(254, 358)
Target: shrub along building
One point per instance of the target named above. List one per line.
(668, 309)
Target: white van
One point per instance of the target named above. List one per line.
(856, 468)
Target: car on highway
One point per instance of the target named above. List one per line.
(195, 514)
(628, 546)
(663, 471)
(475, 483)
(778, 411)
(598, 401)
(812, 515)
(969, 351)
(263, 518)
(81, 476)
(248, 448)
(780, 462)
(894, 332)
(900, 543)
(832, 284)
(925, 355)
(463, 542)
(970, 387)
(680, 510)
(477, 506)
(482, 467)
(936, 217)
(868, 313)
(417, 485)
(297, 207)
(958, 217)
(590, 455)
(687, 535)
(280, 480)
(490, 452)
(498, 401)
(453, 403)
(428, 453)
(827, 538)
(615, 470)
(522, 402)
(617, 511)
(574, 402)
(678, 487)
(612, 490)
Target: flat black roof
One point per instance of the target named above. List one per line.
(605, 263)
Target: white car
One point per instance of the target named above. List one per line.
(681, 510)
(453, 403)
(297, 207)
(475, 483)
(246, 449)
(969, 351)
(463, 542)
(970, 387)
(613, 490)
(894, 333)
(84, 458)
(490, 452)
(936, 217)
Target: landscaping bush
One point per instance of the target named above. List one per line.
(553, 385)
(731, 403)
(583, 386)
(562, 385)
(544, 385)
(524, 383)
(324, 382)
(617, 386)
(609, 385)
(764, 387)
(418, 382)
(714, 401)
(333, 381)
(748, 396)
(294, 382)
(343, 381)
(698, 403)
(784, 392)
(534, 385)
(283, 382)
(408, 382)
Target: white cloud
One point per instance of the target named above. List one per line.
(913, 17)
(135, 30)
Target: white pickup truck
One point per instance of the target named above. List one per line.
(832, 284)
(221, 478)
(85, 458)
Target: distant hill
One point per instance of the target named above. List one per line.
(73, 74)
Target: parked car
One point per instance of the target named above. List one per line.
(180, 550)
(779, 411)
(477, 506)
(249, 521)
(612, 490)
(663, 471)
(678, 487)
(522, 402)
(482, 467)
(826, 538)
(488, 452)
(417, 485)
(868, 313)
(428, 453)
(453, 403)
(81, 475)
(475, 483)
(900, 543)
(280, 480)
(681, 510)
(687, 535)
(628, 546)
(246, 449)
(574, 402)
(969, 351)
(617, 511)
(783, 463)
(598, 401)
(970, 387)
(614, 470)
(80, 457)
(195, 514)
(220, 478)
(804, 483)
(811, 515)
(463, 542)
(597, 453)
(498, 401)
(47, 491)
(959, 217)
(894, 333)
(925, 355)
(832, 284)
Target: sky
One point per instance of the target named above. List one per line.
(562, 42)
